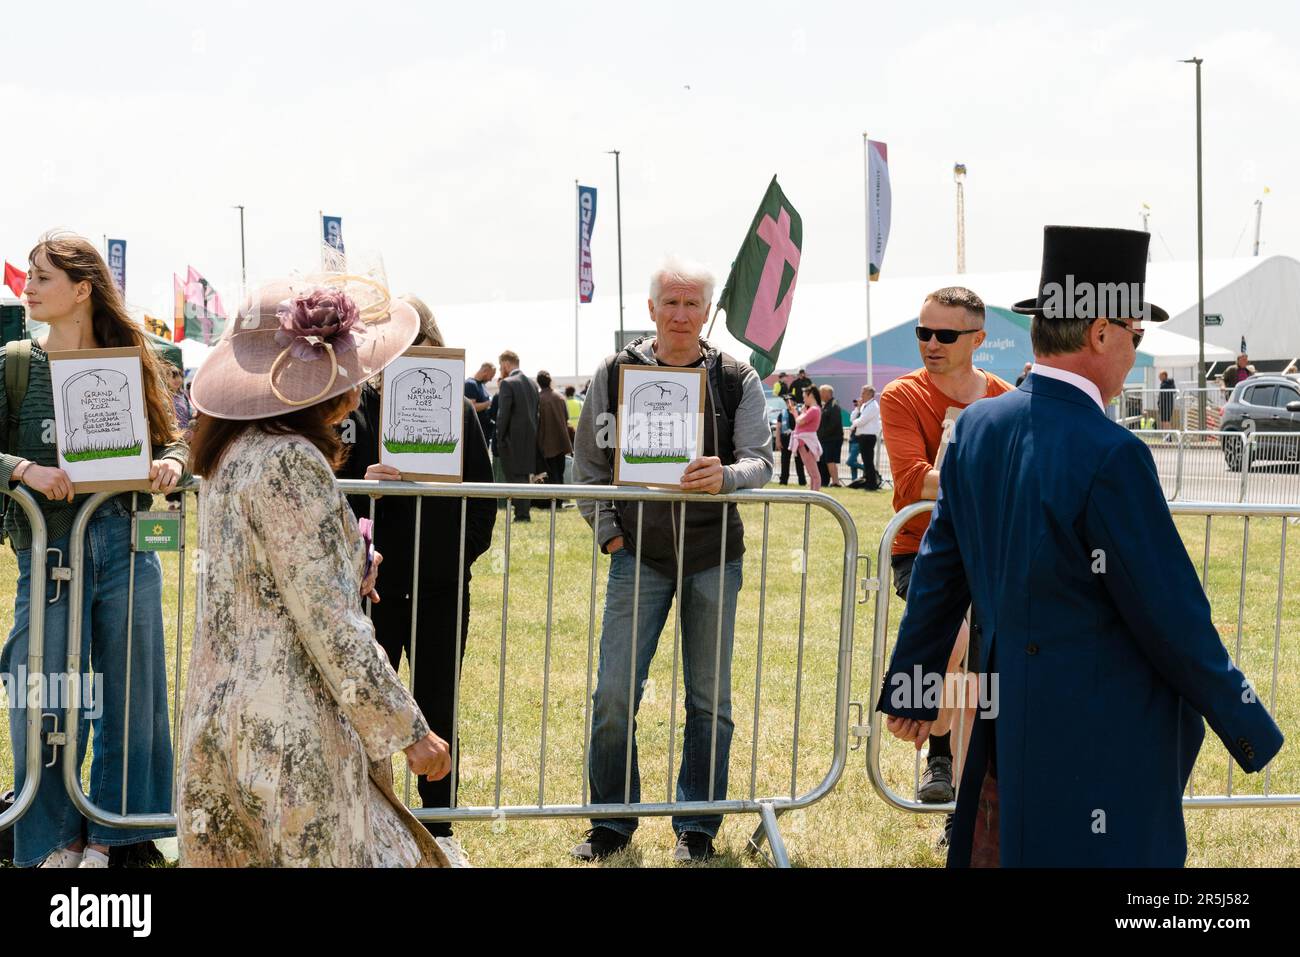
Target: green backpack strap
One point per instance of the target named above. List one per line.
(18, 367)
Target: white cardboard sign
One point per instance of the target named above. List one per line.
(100, 418)
(660, 424)
(422, 413)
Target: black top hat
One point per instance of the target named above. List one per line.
(1091, 273)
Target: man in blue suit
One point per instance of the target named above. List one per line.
(1047, 515)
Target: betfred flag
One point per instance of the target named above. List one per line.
(15, 279)
(586, 223)
(878, 203)
(117, 263)
(760, 289)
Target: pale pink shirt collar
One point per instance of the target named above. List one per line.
(1087, 386)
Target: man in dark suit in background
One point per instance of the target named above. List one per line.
(517, 427)
(1165, 402)
(1047, 516)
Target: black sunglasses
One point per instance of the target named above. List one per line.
(1137, 334)
(946, 336)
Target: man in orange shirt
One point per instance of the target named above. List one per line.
(912, 408)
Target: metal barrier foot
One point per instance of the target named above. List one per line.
(768, 830)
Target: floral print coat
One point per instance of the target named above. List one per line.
(292, 711)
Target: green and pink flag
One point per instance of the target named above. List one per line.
(760, 289)
(205, 316)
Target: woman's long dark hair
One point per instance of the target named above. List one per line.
(315, 424)
(113, 326)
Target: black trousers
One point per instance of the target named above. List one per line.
(867, 451)
(555, 469)
(785, 466)
(554, 476)
(522, 505)
(435, 665)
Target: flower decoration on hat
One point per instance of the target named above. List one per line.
(316, 322)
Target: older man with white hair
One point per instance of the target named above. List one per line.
(737, 454)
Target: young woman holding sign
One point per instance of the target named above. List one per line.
(70, 289)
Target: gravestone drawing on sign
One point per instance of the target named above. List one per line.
(422, 400)
(657, 429)
(97, 417)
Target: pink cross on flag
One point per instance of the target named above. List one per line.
(760, 289)
(205, 316)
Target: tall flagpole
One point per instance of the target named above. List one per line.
(618, 216)
(1259, 215)
(577, 269)
(959, 177)
(866, 206)
(243, 259)
(1200, 251)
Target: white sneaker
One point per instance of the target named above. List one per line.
(455, 853)
(62, 858)
(93, 859)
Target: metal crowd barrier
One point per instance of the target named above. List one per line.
(1139, 404)
(35, 663)
(496, 803)
(1255, 467)
(769, 806)
(1250, 648)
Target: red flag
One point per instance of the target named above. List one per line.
(15, 279)
(178, 309)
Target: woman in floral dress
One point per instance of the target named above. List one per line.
(292, 711)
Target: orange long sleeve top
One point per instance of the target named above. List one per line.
(911, 416)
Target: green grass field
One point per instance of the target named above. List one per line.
(852, 826)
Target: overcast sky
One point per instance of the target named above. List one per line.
(449, 137)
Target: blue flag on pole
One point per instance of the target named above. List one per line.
(332, 232)
(586, 223)
(117, 263)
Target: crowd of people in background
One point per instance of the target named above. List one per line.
(810, 432)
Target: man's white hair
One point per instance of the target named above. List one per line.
(679, 271)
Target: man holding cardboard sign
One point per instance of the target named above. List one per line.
(649, 543)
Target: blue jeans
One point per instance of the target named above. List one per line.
(700, 658)
(52, 822)
(855, 459)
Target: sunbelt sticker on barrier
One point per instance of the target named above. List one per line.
(157, 532)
